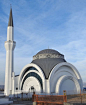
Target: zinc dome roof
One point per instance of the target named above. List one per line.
(48, 51)
(47, 59)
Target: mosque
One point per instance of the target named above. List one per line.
(48, 72)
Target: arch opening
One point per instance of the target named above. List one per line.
(33, 74)
(31, 84)
(68, 83)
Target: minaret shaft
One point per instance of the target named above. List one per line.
(9, 46)
(10, 33)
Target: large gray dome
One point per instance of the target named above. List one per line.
(47, 59)
(48, 51)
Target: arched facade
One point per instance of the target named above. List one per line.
(49, 73)
(32, 71)
(64, 69)
(67, 83)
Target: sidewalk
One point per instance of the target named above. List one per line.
(4, 100)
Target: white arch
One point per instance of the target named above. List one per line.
(28, 77)
(32, 81)
(64, 64)
(60, 72)
(24, 69)
(62, 79)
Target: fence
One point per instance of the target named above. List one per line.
(21, 96)
(49, 99)
(73, 97)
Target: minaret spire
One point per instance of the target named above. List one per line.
(10, 23)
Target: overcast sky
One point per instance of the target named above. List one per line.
(39, 24)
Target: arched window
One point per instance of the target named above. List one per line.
(34, 75)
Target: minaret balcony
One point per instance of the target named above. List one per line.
(10, 45)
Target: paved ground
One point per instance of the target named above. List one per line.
(22, 103)
(4, 100)
(1, 93)
(76, 98)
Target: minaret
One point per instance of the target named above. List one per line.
(9, 46)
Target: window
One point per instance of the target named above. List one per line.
(16, 88)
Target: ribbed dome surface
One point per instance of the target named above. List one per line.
(47, 63)
(48, 51)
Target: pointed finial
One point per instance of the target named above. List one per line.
(10, 23)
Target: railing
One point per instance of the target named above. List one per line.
(49, 99)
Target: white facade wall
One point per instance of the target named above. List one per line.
(50, 85)
(64, 76)
(47, 86)
(16, 82)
